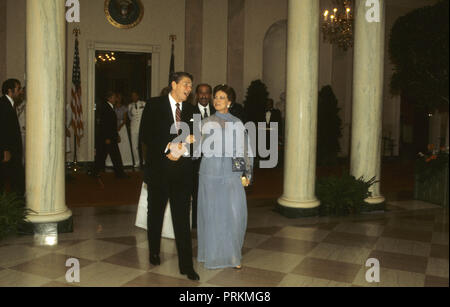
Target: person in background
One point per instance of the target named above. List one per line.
(107, 137)
(11, 149)
(135, 110)
(122, 119)
(21, 109)
(272, 116)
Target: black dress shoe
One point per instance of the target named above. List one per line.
(191, 274)
(155, 260)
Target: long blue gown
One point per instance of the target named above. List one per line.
(222, 208)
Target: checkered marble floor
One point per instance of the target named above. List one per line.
(410, 240)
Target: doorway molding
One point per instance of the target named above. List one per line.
(94, 46)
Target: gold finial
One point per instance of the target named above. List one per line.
(76, 31)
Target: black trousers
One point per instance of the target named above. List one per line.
(13, 173)
(175, 184)
(102, 151)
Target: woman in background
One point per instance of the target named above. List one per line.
(124, 145)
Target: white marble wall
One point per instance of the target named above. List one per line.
(45, 178)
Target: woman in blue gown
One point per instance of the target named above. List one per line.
(222, 204)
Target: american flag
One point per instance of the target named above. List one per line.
(75, 104)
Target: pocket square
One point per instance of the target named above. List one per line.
(192, 120)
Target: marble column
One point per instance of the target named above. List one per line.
(3, 8)
(236, 42)
(301, 110)
(194, 39)
(45, 176)
(368, 96)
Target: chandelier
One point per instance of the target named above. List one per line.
(337, 25)
(105, 57)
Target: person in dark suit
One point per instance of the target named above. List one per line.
(11, 147)
(168, 175)
(107, 137)
(272, 115)
(204, 107)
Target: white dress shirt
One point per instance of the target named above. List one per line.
(204, 110)
(173, 105)
(10, 100)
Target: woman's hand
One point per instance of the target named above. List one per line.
(245, 181)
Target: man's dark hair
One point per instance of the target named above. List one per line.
(109, 94)
(231, 94)
(203, 84)
(9, 84)
(177, 76)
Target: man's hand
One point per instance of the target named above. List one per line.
(190, 139)
(176, 151)
(107, 141)
(172, 157)
(6, 156)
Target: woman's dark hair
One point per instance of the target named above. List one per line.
(9, 84)
(177, 76)
(231, 94)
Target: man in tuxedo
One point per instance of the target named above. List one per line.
(107, 137)
(204, 107)
(168, 175)
(11, 147)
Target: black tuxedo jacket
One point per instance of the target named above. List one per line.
(10, 136)
(212, 110)
(157, 120)
(106, 123)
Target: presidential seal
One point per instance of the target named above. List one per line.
(124, 14)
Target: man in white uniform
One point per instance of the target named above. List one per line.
(135, 110)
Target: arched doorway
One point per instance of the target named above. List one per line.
(274, 62)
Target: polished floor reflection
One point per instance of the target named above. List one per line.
(410, 240)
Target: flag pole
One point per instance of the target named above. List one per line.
(75, 168)
(172, 38)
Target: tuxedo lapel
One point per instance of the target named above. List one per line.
(167, 111)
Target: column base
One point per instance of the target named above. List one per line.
(371, 207)
(291, 209)
(30, 228)
(375, 200)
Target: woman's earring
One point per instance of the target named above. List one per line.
(228, 106)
